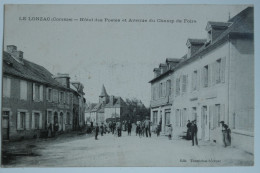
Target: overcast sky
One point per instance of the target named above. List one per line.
(120, 55)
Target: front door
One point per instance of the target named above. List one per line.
(61, 121)
(205, 123)
(5, 125)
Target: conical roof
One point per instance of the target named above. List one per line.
(103, 92)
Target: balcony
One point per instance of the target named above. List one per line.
(161, 101)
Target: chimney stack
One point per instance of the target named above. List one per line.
(17, 55)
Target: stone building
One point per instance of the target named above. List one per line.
(215, 82)
(32, 98)
(108, 108)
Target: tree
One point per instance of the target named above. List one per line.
(136, 111)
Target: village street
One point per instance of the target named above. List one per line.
(110, 150)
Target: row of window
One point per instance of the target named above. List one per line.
(27, 121)
(52, 95)
(211, 74)
(212, 114)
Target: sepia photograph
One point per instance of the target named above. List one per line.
(128, 85)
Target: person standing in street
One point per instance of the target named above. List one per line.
(129, 128)
(226, 134)
(118, 127)
(188, 135)
(102, 129)
(96, 132)
(170, 132)
(194, 130)
(158, 130)
(147, 127)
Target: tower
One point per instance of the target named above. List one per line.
(103, 97)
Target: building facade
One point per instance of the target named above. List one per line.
(33, 99)
(214, 82)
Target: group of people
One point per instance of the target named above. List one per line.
(143, 128)
(192, 131)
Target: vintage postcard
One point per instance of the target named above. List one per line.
(127, 85)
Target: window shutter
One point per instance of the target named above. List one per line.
(209, 74)
(18, 121)
(222, 111)
(40, 121)
(211, 115)
(223, 66)
(27, 121)
(41, 93)
(64, 97)
(33, 121)
(33, 91)
(198, 80)
(213, 66)
(202, 77)
(215, 118)
(47, 94)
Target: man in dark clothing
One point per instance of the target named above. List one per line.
(129, 127)
(188, 136)
(96, 132)
(194, 130)
(147, 126)
(102, 129)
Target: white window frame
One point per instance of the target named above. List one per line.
(40, 119)
(26, 123)
(40, 92)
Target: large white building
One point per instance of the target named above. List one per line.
(214, 82)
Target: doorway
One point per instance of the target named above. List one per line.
(5, 125)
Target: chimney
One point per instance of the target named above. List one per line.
(194, 45)
(11, 49)
(63, 79)
(156, 72)
(17, 55)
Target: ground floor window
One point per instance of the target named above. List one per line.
(22, 120)
(68, 118)
(36, 120)
(155, 117)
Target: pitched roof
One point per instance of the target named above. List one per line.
(243, 23)
(28, 70)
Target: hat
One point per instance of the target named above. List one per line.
(222, 122)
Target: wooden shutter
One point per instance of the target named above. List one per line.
(27, 121)
(33, 91)
(47, 94)
(33, 121)
(209, 74)
(223, 67)
(40, 120)
(198, 80)
(211, 116)
(202, 77)
(18, 121)
(41, 92)
(222, 112)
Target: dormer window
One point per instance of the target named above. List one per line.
(189, 51)
(209, 36)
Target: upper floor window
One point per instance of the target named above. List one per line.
(6, 87)
(205, 75)
(55, 96)
(218, 71)
(194, 80)
(160, 89)
(184, 83)
(61, 97)
(168, 88)
(23, 90)
(37, 92)
(49, 94)
(178, 87)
